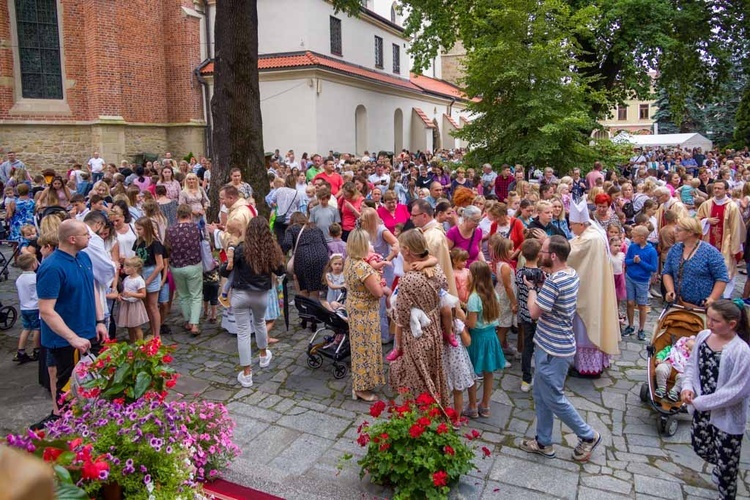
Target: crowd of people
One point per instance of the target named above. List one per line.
(463, 270)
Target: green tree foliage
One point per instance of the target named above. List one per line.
(534, 108)
(547, 70)
(742, 121)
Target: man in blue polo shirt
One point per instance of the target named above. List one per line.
(72, 318)
(554, 308)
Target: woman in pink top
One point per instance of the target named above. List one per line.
(391, 212)
(350, 208)
(467, 234)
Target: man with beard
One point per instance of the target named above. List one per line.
(723, 229)
(553, 306)
(596, 324)
(422, 215)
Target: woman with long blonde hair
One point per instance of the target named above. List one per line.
(364, 291)
(194, 195)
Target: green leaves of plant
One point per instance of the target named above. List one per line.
(142, 382)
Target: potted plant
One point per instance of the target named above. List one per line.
(413, 447)
(126, 372)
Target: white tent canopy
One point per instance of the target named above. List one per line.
(683, 141)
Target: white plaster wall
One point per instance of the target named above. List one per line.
(336, 124)
(295, 25)
(288, 109)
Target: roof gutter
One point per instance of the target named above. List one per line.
(208, 135)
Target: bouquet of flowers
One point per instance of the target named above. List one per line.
(415, 448)
(127, 372)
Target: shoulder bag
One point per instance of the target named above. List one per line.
(290, 264)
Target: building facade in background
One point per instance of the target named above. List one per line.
(78, 76)
(135, 77)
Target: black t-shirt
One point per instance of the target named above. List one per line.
(148, 254)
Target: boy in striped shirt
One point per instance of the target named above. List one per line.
(553, 307)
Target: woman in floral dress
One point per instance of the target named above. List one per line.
(420, 368)
(363, 297)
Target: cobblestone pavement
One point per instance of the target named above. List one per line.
(295, 423)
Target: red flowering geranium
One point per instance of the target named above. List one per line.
(377, 408)
(439, 478)
(416, 430)
(128, 372)
(412, 446)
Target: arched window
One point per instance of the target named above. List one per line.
(39, 49)
(395, 17)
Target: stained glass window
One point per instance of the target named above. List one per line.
(39, 49)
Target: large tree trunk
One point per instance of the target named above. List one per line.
(238, 125)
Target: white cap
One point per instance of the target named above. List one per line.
(579, 212)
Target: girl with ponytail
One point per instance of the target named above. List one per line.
(717, 386)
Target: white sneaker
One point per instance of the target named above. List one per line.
(245, 380)
(525, 387)
(266, 360)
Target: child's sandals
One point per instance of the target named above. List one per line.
(484, 412)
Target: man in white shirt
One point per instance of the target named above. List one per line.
(96, 167)
(379, 177)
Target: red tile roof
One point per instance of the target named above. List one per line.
(451, 120)
(436, 86)
(310, 59)
(428, 123)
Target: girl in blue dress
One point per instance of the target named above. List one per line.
(483, 314)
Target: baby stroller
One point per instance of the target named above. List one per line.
(674, 323)
(313, 311)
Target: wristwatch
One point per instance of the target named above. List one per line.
(101, 322)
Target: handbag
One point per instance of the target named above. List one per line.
(207, 257)
(290, 264)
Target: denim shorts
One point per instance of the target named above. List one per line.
(30, 319)
(164, 293)
(637, 291)
(155, 284)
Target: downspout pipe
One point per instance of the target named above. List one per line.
(208, 142)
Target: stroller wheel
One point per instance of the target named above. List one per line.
(645, 395)
(340, 371)
(8, 316)
(667, 426)
(314, 360)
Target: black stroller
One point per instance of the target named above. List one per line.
(335, 347)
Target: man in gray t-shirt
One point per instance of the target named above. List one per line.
(323, 215)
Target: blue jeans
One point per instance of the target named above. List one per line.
(96, 177)
(550, 401)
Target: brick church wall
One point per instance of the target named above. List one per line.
(129, 84)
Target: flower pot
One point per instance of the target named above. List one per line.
(112, 491)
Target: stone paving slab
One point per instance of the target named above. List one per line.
(296, 423)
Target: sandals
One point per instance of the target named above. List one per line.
(484, 412)
(469, 413)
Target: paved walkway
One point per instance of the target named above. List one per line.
(295, 423)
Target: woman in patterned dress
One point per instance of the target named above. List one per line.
(717, 385)
(311, 254)
(363, 297)
(420, 368)
(194, 195)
